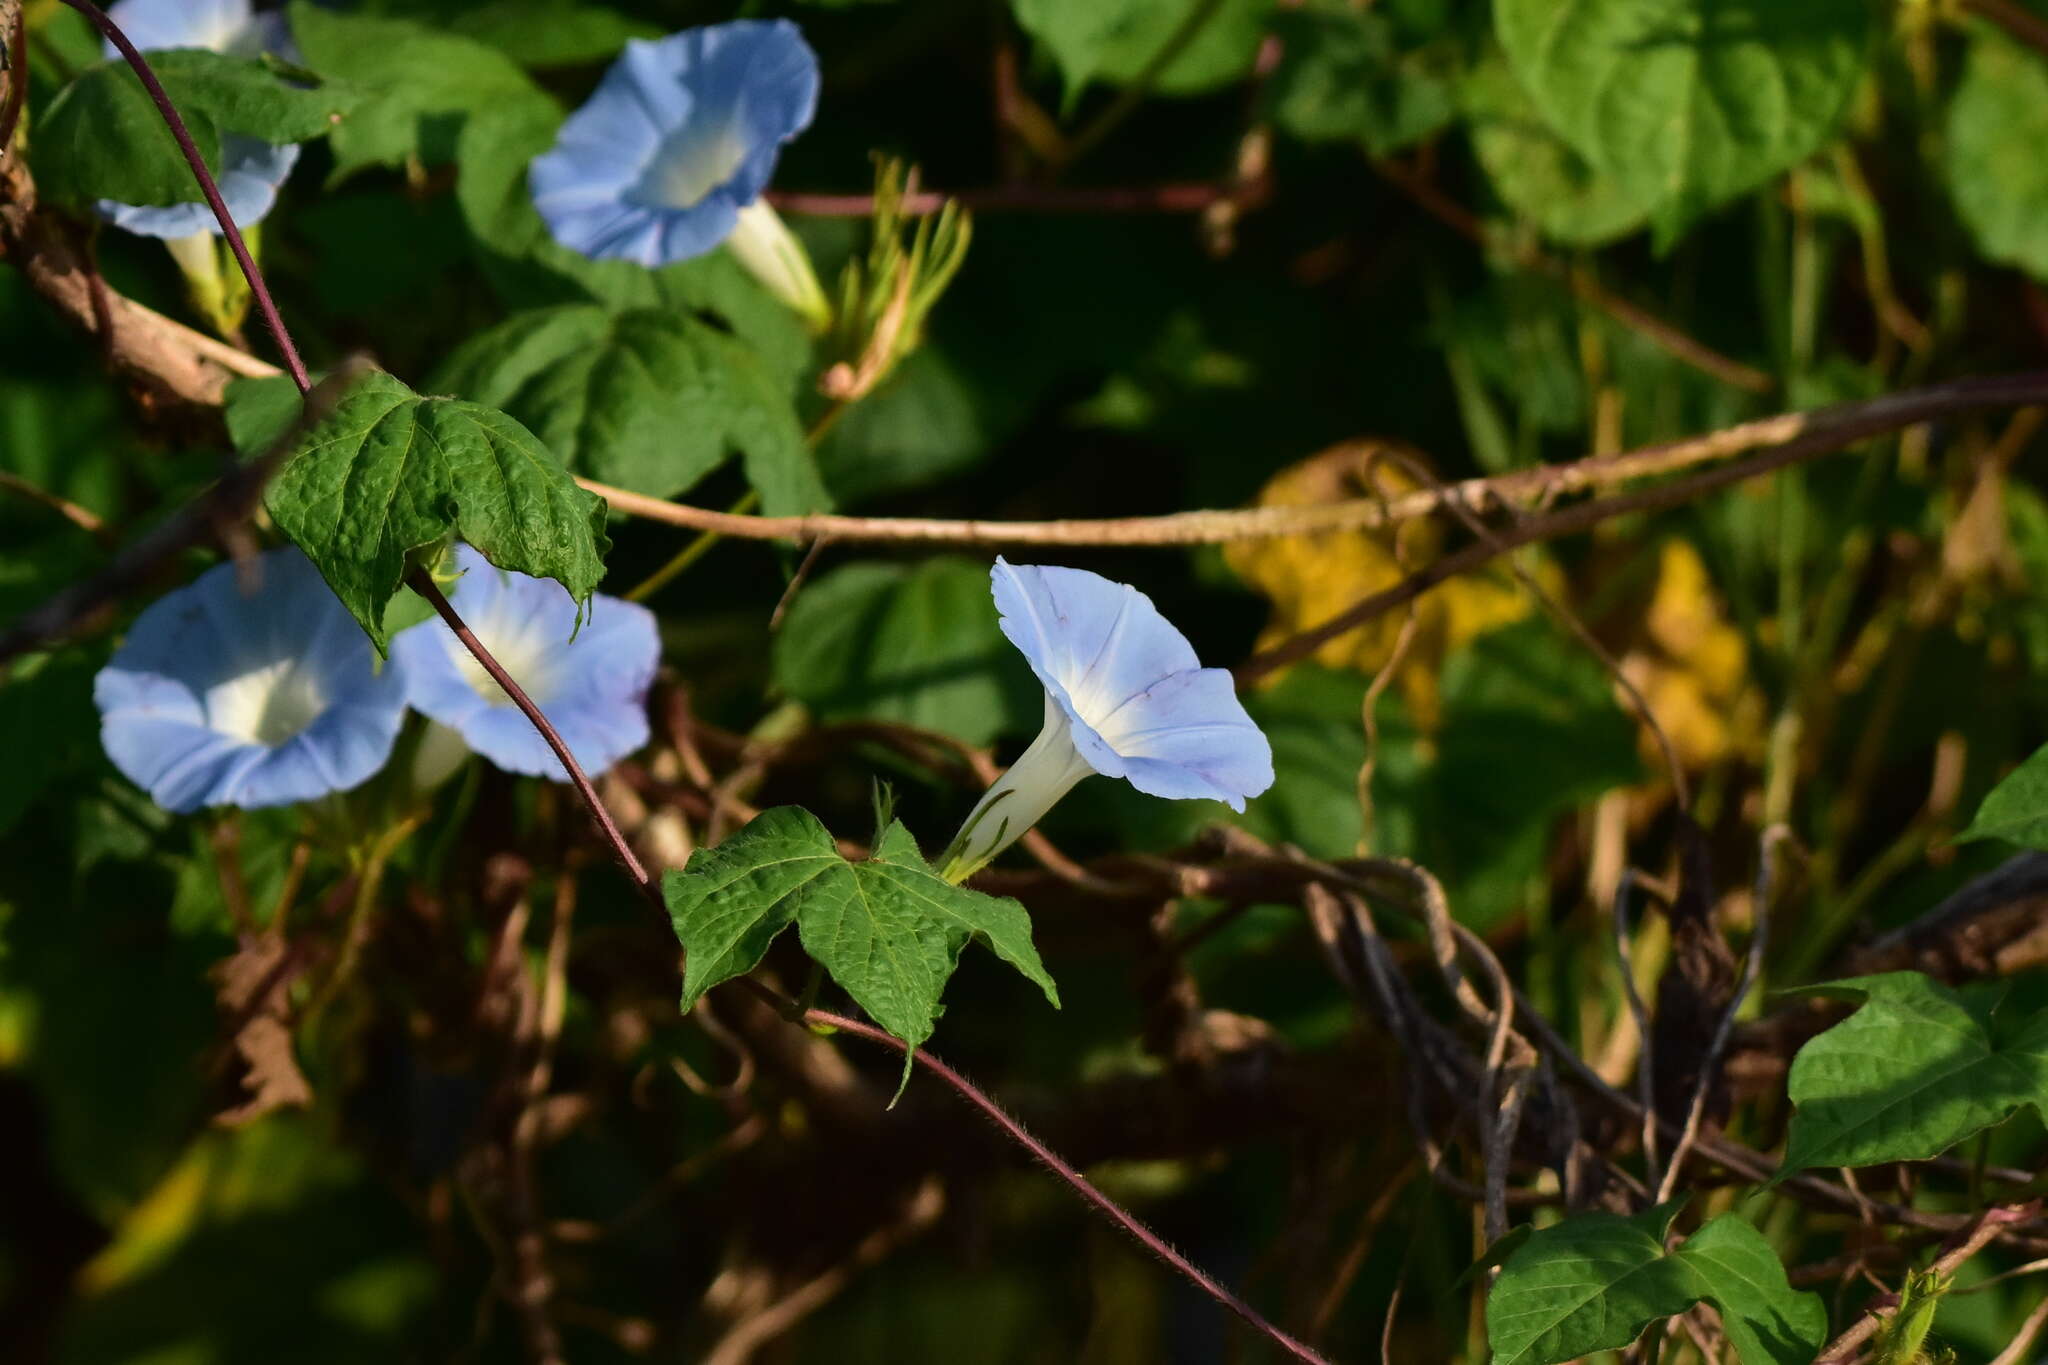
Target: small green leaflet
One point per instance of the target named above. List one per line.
(1689, 103)
(1915, 1070)
(648, 399)
(388, 472)
(1596, 1280)
(1763, 1315)
(102, 137)
(421, 85)
(2017, 808)
(889, 929)
(1116, 40)
(1535, 172)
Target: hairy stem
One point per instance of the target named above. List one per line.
(1102, 1203)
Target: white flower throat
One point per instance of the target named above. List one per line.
(693, 163)
(266, 705)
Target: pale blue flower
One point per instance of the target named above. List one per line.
(590, 683)
(1125, 696)
(681, 135)
(250, 170)
(220, 697)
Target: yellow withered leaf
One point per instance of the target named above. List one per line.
(1693, 666)
(1311, 578)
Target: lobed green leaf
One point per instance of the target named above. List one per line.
(1345, 74)
(1689, 103)
(1594, 1281)
(1915, 1070)
(388, 472)
(1735, 1269)
(1536, 173)
(888, 929)
(103, 137)
(1117, 40)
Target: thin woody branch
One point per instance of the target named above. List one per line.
(1817, 432)
(1191, 197)
(169, 360)
(1872, 419)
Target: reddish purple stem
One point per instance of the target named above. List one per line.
(423, 584)
(1080, 1184)
(264, 303)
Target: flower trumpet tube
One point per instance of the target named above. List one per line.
(1125, 696)
(763, 244)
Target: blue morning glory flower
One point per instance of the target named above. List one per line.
(224, 698)
(250, 170)
(590, 683)
(679, 139)
(1125, 696)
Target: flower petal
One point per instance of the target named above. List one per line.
(208, 667)
(1143, 706)
(1099, 641)
(1188, 736)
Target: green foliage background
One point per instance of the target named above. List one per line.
(1212, 241)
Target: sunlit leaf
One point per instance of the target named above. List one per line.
(1596, 1280)
(1997, 120)
(1915, 1070)
(1689, 103)
(388, 472)
(2017, 808)
(887, 928)
(1536, 172)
